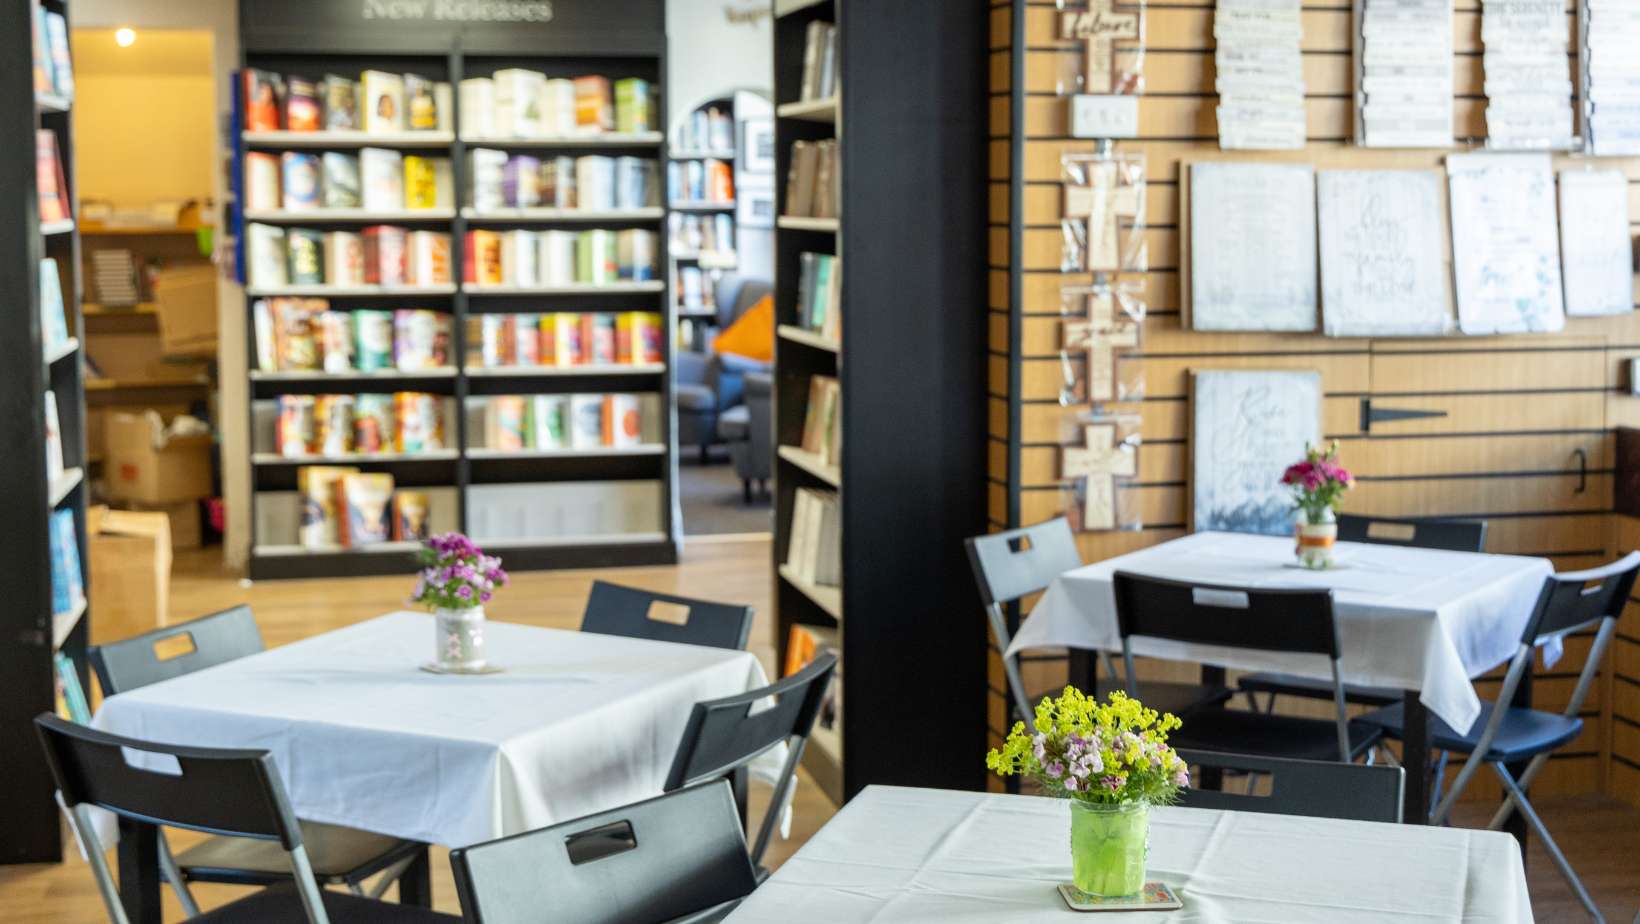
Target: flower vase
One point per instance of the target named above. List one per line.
(1316, 539)
(1108, 846)
(459, 638)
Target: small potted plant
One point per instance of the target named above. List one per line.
(455, 582)
(1318, 484)
(1113, 762)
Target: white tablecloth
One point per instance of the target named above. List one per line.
(1411, 619)
(578, 723)
(910, 856)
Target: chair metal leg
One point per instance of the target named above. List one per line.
(1252, 700)
(1467, 772)
(1519, 799)
(168, 868)
(1525, 783)
(388, 877)
(1440, 780)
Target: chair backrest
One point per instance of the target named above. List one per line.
(656, 860)
(1450, 535)
(1296, 621)
(138, 661)
(628, 611)
(726, 734)
(1321, 789)
(1011, 564)
(236, 793)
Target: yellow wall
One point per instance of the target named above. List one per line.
(145, 116)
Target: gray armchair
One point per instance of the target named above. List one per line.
(708, 384)
(749, 432)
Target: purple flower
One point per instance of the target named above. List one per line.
(485, 597)
(1181, 777)
(464, 592)
(1039, 747)
(1054, 769)
(1112, 782)
(1070, 784)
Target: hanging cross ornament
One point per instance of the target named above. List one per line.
(1102, 333)
(1101, 27)
(1099, 461)
(1101, 204)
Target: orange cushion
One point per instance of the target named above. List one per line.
(752, 335)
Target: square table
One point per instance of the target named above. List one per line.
(924, 856)
(576, 723)
(1422, 620)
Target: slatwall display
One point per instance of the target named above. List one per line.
(1524, 432)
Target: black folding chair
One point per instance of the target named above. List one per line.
(724, 735)
(1505, 734)
(1317, 788)
(1016, 563)
(233, 793)
(677, 858)
(633, 613)
(341, 856)
(1448, 535)
(1289, 621)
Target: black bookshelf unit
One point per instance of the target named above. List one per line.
(34, 634)
(625, 38)
(910, 362)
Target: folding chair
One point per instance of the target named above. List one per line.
(677, 858)
(234, 793)
(630, 612)
(1019, 562)
(1506, 734)
(1317, 788)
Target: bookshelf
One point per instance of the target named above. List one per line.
(35, 630)
(909, 359)
(705, 138)
(465, 480)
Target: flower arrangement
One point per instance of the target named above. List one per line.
(1318, 482)
(1113, 753)
(456, 574)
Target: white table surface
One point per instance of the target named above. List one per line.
(578, 723)
(1410, 619)
(911, 856)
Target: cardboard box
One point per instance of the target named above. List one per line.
(187, 529)
(138, 471)
(130, 572)
(186, 296)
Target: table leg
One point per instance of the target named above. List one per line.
(1516, 824)
(1415, 759)
(416, 884)
(1212, 777)
(139, 871)
(1082, 671)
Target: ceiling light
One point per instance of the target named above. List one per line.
(125, 38)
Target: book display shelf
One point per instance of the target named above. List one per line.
(47, 616)
(702, 185)
(879, 379)
(517, 422)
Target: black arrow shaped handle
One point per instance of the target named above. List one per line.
(1371, 414)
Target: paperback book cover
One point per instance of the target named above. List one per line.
(493, 340)
(264, 100)
(366, 505)
(558, 108)
(262, 181)
(546, 423)
(427, 258)
(594, 107)
(561, 339)
(319, 486)
(383, 101)
(519, 252)
(53, 315)
(41, 54)
(296, 336)
(504, 423)
(586, 421)
(420, 428)
(384, 255)
(410, 516)
(555, 265)
(558, 183)
(341, 172)
(344, 259)
(54, 440)
(301, 181)
(421, 339)
(341, 103)
(623, 421)
(595, 182)
(518, 102)
(302, 112)
(68, 680)
(483, 265)
(634, 105)
(333, 425)
(373, 423)
(634, 183)
(67, 580)
(598, 339)
(262, 325)
(488, 173)
(526, 331)
(306, 256)
(420, 183)
(49, 181)
(373, 335)
(521, 182)
(635, 252)
(265, 252)
(297, 429)
(422, 103)
(381, 176)
(595, 257)
(478, 107)
(336, 341)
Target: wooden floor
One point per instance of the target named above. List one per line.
(1601, 836)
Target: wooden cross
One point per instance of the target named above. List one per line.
(1103, 332)
(1099, 461)
(1100, 27)
(1102, 203)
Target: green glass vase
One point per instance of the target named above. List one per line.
(1108, 844)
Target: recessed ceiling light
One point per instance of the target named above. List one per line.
(125, 38)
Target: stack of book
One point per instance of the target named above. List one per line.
(699, 234)
(342, 425)
(819, 62)
(53, 69)
(348, 508)
(814, 549)
(383, 255)
(694, 182)
(304, 335)
(516, 423)
(559, 258)
(822, 421)
(114, 271)
(812, 180)
(707, 130)
(519, 103)
(374, 179)
(377, 102)
(567, 338)
(593, 182)
(49, 180)
(819, 288)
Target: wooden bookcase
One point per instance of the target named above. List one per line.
(625, 39)
(33, 633)
(911, 365)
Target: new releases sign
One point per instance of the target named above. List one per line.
(460, 10)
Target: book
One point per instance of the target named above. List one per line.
(384, 255)
(556, 262)
(383, 101)
(296, 429)
(302, 112)
(637, 338)
(800, 179)
(520, 251)
(365, 509)
(410, 513)
(558, 108)
(444, 98)
(814, 42)
(373, 423)
(62, 65)
(493, 340)
(586, 421)
(804, 643)
(54, 439)
(381, 173)
(427, 258)
(518, 102)
(595, 182)
(262, 329)
(301, 181)
(634, 183)
(341, 98)
(262, 181)
(594, 106)
(478, 108)
(49, 180)
(344, 258)
(421, 339)
(824, 200)
(53, 314)
(623, 421)
(634, 105)
(319, 487)
(43, 81)
(558, 183)
(561, 339)
(521, 181)
(488, 176)
(341, 180)
(333, 425)
(483, 258)
(264, 100)
(305, 255)
(635, 252)
(68, 681)
(504, 423)
(526, 334)
(421, 104)
(547, 423)
(819, 418)
(596, 262)
(265, 255)
(335, 331)
(420, 423)
(295, 332)
(67, 579)
(598, 339)
(420, 183)
(373, 339)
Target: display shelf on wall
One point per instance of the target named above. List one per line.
(908, 474)
(620, 43)
(39, 356)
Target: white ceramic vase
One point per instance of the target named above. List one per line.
(459, 638)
